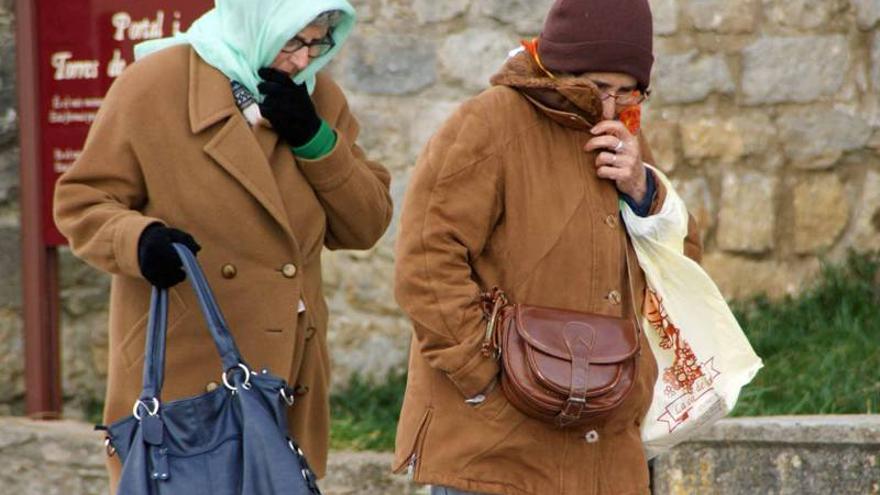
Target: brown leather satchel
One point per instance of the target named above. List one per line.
(560, 366)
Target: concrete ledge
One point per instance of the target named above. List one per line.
(808, 455)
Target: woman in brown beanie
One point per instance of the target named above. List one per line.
(519, 190)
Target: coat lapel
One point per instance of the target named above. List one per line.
(235, 147)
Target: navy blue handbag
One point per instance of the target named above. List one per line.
(229, 441)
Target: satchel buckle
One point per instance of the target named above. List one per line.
(136, 410)
(247, 378)
(490, 346)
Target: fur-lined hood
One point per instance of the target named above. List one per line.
(560, 98)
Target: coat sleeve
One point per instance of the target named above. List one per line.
(353, 190)
(693, 242)
(97, 201)
(451, 207)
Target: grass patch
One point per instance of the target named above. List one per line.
(821, 350)
(364, 415)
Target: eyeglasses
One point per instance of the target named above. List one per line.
(316, 47)
(628, 99)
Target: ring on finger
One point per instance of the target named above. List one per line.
(619, 146)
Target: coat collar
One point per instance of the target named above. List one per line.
(241, 150)
(210, 96)
(570, 101)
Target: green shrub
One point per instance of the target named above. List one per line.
(364, 415)
(821, 350)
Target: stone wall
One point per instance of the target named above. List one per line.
(837, 455)
(766, 114)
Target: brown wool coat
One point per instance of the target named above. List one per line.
(505, 195)
(170, 145)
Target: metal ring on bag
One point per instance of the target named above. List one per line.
(247, 378)
(294, 448)
(108, 447)
(288, 399)
(135, 411)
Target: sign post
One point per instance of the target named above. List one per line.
(69, 53)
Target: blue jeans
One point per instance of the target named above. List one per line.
(442, 490)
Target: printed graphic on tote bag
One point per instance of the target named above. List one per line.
(686, 381)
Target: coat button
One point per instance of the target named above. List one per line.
(229, 271)
(211, 386)
(289, 270)
(611, 221)
(310, 332)
(301, 390)
(614, 297)
(592, 436)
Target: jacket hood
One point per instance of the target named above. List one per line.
(574, 95)
(238, 37)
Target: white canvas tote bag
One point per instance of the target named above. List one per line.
(703, 356)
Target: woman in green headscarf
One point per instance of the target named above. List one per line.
(226, 138)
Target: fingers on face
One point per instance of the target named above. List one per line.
(612, 127)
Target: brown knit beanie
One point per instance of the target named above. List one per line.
(599, 36)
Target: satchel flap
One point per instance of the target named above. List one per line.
(609, 339)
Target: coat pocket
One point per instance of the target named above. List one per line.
(133, 346)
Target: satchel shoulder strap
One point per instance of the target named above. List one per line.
(154, 356)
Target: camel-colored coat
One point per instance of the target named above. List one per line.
(504, 195)
(170, 145)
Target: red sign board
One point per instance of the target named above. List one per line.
(82, 47)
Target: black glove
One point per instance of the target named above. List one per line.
(158, 260)
(288, 107)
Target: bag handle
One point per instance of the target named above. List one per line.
(154, 356)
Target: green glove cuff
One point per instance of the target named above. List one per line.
(319, 146)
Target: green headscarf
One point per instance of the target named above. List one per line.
(239, 37)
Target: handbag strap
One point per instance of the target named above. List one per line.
(154, 356)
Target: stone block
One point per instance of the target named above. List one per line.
(8, 95)
(875, 62)
(726, 140)
(51, 458)
(699, 201)
(474, 55)
(527, 17)
(366, 344)
(689, 77)
(389, 65)
(385, 127)
(366, 9)
(11, 357)
(665, 13)
(782, 455)
(821, 211)
(723, 16)
(429, 11)
(802, 14)
(9, 161)
(747, 219)
(10, 267)
(775, 68)
(865, 232)
(350, 473)
(816, 137)
(740, 277)
(663, 139)
(867, 13)
(84, 355)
